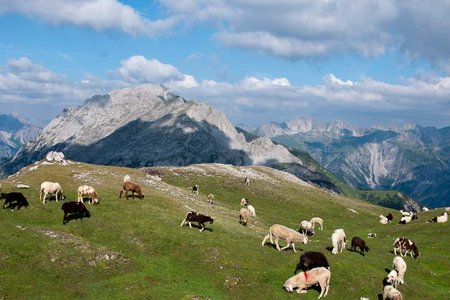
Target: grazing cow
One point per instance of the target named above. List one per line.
(310, 260)
(192, 216)
(404, 244)
(76, 210)
(195, 189)
(247, 181)
(49, 188)
(14, 199)
(359, 242)
(88, 191)
(129, 186)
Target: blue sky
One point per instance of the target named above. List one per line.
(364, 62)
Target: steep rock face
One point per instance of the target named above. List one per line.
(308, 127)
(148, 126)
(13, 134)
(412, 159)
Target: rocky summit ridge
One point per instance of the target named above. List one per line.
(147, 125)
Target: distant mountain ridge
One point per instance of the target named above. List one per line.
(148, 125)
(14, 132)
(412, 159)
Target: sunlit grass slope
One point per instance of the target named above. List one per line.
(136, 249)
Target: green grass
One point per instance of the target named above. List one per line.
(153, 258)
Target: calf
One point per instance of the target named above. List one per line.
(310, 260)
(76, 209)
(192, 216)
(358, 242)
(14, 199)
(404, 244)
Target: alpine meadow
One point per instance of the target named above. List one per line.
(136, 249)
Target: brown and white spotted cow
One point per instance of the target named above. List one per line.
(403, 244)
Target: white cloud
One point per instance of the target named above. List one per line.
(299, 29)
(250, 100)
(367, 101)
(295, 29)
(321, 28)
(97, 14)
(138, 69)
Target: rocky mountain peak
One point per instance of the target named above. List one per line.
(148, 125)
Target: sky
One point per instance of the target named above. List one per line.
(366, 62)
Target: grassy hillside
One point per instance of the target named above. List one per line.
(136, 249)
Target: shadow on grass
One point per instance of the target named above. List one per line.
(199, 227)
(290, 248)
(361, 253)
(74, 217)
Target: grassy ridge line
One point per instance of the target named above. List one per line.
(163, 261)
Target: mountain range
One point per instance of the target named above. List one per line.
(15, 132)
(412, 159)
(148, 125)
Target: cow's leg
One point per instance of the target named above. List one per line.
(203, 227)
(190, 226)
(182, 223)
